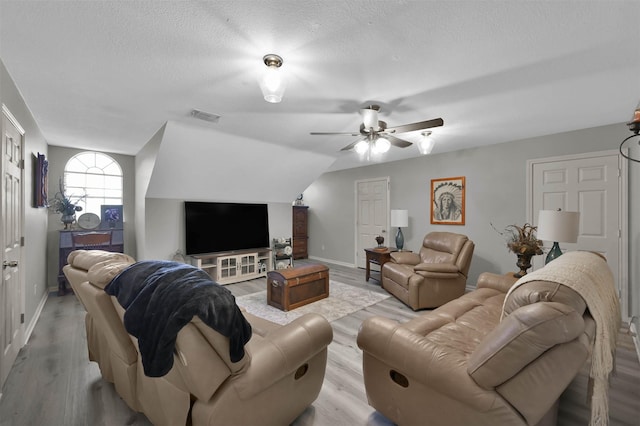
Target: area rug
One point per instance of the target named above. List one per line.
(343, 300)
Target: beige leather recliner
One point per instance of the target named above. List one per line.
(433, 276)
(108, 345)
(280, 375)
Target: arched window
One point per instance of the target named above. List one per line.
(96, 177)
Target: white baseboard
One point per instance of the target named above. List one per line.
(634, 336)
(34, 319)
(335, 262)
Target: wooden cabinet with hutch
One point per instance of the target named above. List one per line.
(300, 236)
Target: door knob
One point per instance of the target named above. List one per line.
(9, 264)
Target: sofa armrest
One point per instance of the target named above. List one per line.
(419, 359)
(521, 338)
(283, 351)
(497, 282)
(405, 257)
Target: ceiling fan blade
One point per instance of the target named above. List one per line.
(436, 122)
(334, 133)
(400, 143)
(351, 145)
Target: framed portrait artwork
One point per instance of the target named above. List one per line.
(447, 201)
(111, 216)
(41, 170)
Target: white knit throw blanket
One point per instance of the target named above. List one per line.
(589, 275)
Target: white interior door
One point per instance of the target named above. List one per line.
(592, 185)
(11, 293)
(372, 210)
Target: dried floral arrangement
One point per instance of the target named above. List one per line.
(522, 239)
(64, 204)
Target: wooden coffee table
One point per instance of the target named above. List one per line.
(379, 257)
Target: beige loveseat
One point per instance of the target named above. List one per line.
(461, 364)
(279, 376)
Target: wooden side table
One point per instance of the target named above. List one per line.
(379, 257)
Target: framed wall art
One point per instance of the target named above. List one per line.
(447, 201)
(41, 170)
(111, 216)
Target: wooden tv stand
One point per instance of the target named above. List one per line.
(234, 266)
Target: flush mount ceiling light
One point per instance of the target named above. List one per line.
(272, 82)
(426, 143)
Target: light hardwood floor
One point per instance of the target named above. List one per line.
(53, 383)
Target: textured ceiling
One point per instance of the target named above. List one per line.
(108, 74)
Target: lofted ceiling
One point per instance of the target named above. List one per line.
(107, 75)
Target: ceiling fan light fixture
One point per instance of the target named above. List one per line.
(272, 82)
(370, 118)
(361, 147)
(426, 143)
(381, 145)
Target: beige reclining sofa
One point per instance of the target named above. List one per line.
(280, 375)
(469, 362)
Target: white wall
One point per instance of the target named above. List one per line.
(280, 220)
(164, 229)
(145, 162)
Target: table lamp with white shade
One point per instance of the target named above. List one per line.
(560, 227)
(400, 218)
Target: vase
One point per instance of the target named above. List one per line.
(67, 219)
(399, 239)
(524, 263)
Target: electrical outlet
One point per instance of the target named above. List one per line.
(35, 289)
(323, 247)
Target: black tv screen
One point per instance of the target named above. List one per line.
(215, 227)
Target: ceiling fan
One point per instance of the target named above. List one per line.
(376, 136)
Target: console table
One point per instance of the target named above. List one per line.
(379, 257)
(234, 266)
(65, 247)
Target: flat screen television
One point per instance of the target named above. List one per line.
(215, 227)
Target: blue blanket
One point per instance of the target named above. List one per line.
(161, 297)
